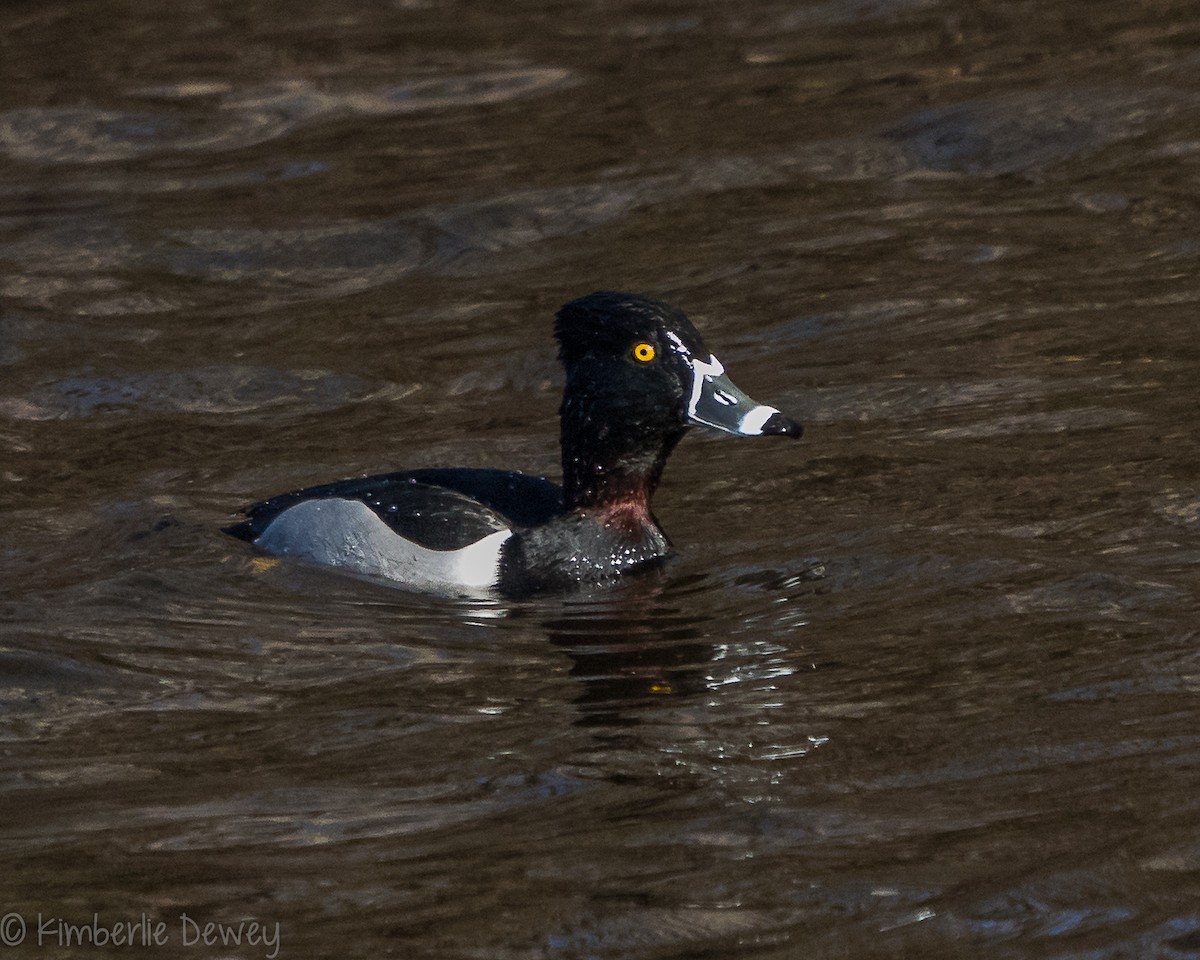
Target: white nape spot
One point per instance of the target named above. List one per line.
(752, 422)
(348, 535)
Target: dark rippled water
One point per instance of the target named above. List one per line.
(923, 686)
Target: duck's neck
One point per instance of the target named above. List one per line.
(611, 466)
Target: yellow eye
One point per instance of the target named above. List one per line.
(644, 352)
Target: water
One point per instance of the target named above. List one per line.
(922, 685)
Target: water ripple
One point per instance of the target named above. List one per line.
(239, 119)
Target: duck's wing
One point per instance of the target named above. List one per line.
(524, 501)
(440, 509)
(399, 527)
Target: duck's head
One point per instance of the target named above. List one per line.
(638, 376)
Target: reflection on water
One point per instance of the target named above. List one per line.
(232, 120)
(923, 685)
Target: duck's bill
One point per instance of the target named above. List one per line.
(716, 402)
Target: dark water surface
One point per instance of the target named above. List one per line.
(922, 686)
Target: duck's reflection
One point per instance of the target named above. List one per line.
(631, 649)
(657, 649)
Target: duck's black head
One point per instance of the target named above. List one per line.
(638, 377)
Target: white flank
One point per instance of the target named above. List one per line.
(348, 535)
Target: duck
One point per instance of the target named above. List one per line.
(638, 378)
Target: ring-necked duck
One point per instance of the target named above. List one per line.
(638, 377)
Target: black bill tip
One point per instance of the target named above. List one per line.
(780, 426)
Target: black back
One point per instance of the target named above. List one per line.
(442, 509)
